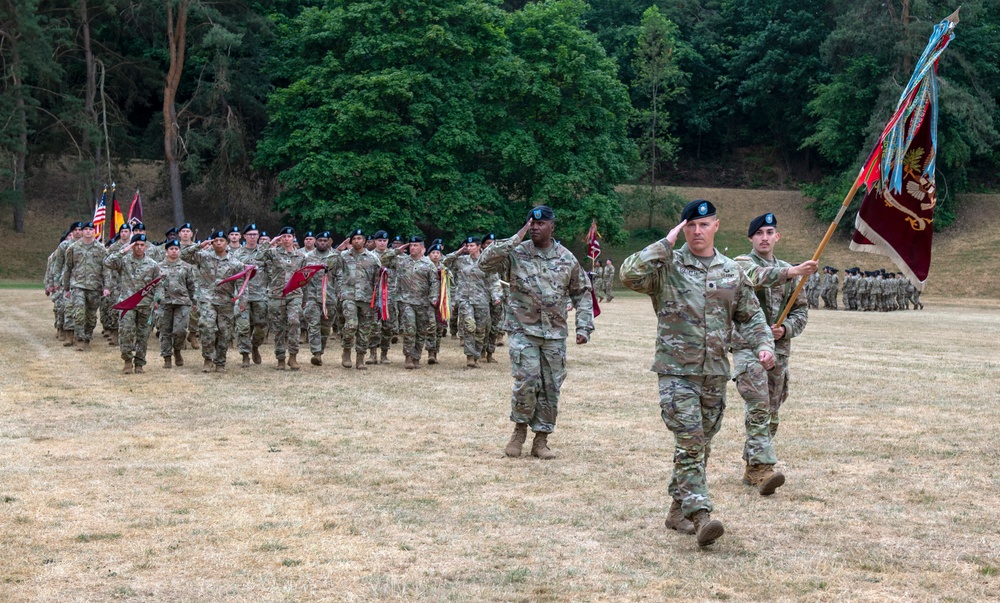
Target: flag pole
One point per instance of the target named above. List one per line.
(822, 246)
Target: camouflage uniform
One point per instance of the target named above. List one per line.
(863, 292)
(440, 327)
(774, 291)
(901, 296)
(355, 283)
(812, 289)
(914, 295)
(174, 296)
(134, 274)
(385, 329)
(542, 283)
(83, 276)
(215, 301)
(609, 282)
(598, 282)
(58, 265)
(320, 327)
(284, 312)
(252, 320)
(476, 291)
(696, 307)
(52, 289)
(418, 286)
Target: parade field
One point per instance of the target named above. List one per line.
(332, 484)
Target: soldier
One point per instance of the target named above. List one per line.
(418, 285)
(355, 284)
(496, 312)
(135, 271)
(174, 297)
(215, 299)
(544, 276)
(280, 262)
(697, 293)
(58, 266)
(774, 282)
(609, 280)
(476, 291)
(384, 332)
(186, 236)
(252, 321)
(83, 281)
(319, 325)
(914, 294)
(434, 254)
(812, 289)
(598, 282)
(308, 243)
(53, 289)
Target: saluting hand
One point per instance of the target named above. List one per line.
(524, 231)
(674, 232)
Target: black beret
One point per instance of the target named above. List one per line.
(286, 230)
(249, 227)
(437, 242)
(435, 247)
(186, 225)
(542, 212)
(138, 226)
(124, 227)
(490, 237)
(263, 233)
(323, 235)
(416, 239)
(699, 208)
(309, 233)
(233, 229)
(472, 240)
(170, 232)
(138, 237)
(760, 222)
(357, 232)
(172, 243)
(380, 234)
(86, 224)
(397, 239)
(75, 225)
(218, 234)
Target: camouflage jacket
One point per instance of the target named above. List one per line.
(695, 308)
(133, 274)
(210, 269)
(598, 274)
(812, 283)
(357, 275)
(332, 261)
(393, 275)
(774, 290)
(178, 284)
(84, 268)
(609, 276)
(542, 282)
(279, 266)
(257, 288)
(157, 253)
(417, 281)
(59, 262)
(49, 279)
(472, 284)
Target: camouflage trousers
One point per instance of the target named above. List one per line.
(915, 299)
(69, 318)
(440, 332)
(106, 312)
(691, 407)
(607, 289)
(777, 389)
(453, 323)
(359, 325)
(216, 324)
(318, 327)
(475, 321)
(285, 317)
(751, 382)
(174, 319)
(496, 321)
(86, 304)
(813, 298)
(419, 326)
(58, 310)
(251, 326)
(539, 369)
(133, 334)
(385, 329)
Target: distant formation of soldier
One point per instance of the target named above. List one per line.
(863, 290)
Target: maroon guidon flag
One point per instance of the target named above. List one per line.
(897, 213)
(300, 277)
(130, 302)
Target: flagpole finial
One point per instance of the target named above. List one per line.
(953, 17)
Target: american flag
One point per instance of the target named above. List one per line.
(101, 214)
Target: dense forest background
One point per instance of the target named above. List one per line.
(454, 116)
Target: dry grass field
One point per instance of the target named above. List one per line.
(333, 485)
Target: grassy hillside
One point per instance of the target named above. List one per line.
(966, 257)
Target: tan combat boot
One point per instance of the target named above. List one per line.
(82, 345)
(517, 438)
(360, 362)
(246, 361)
(432, 357)
(61, 334)
(207, 366)
(489, 358)
(764, 478)
(113, 339)
(293, 362)
(127, 369)
(416, 363)
(255, 355)
(167, 362)
(677, 521)
(408, 365)
(373, 356)
(471, 362)
(317, 359)
(384, 359)
(178, 359)
(540, 447)
(139, 369)
(70, 339)
(345, 358)
(193, 341)
(708, 530)
(220, 368)
(281, 364)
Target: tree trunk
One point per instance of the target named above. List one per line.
(176, 37)
(90, 95)
(21, 119)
